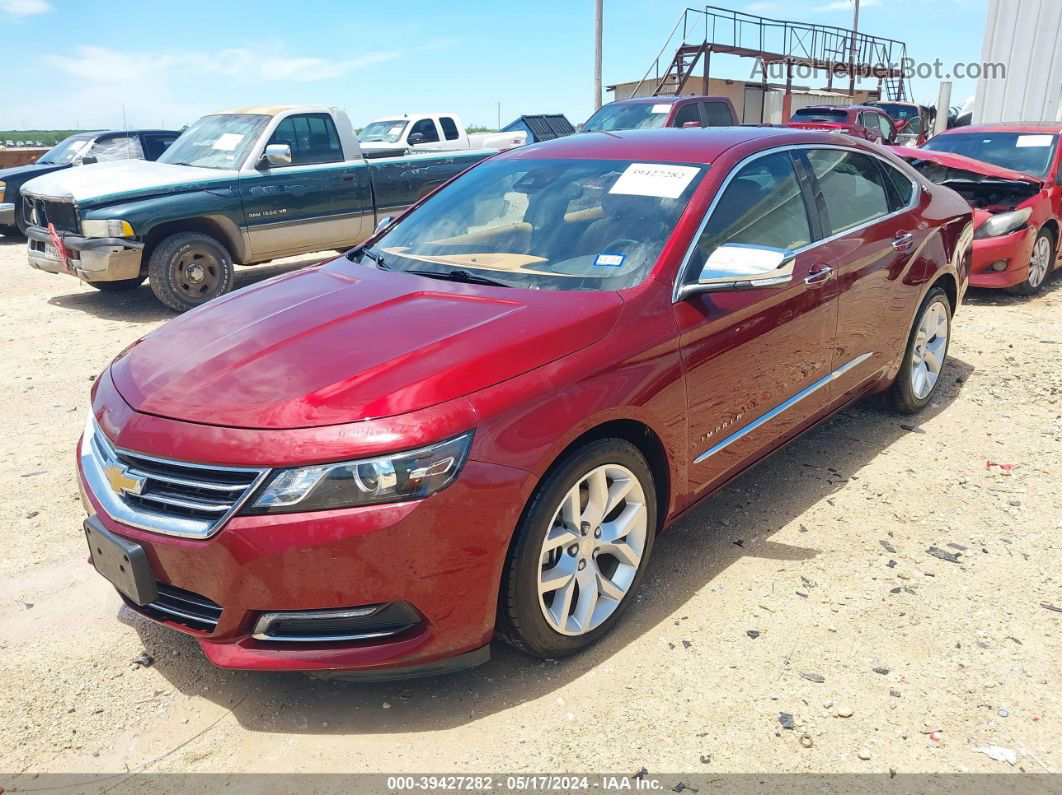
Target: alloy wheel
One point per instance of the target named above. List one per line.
(592, 550)
(931, 344)
(1040, 262)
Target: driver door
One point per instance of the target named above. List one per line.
(758, 361)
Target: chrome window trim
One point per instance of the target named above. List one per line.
(763, 419)
(684, 269)
(97, 452)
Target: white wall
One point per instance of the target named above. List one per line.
(1026, 35)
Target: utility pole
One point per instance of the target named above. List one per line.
(852, 53)
(597, 53)
(499, 116)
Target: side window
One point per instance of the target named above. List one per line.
(687, 113)
(115, 147)
(449, 128)
(885, 126)
(312, 138)
(155, 144)
(762, 206)
(426, 127)
(900, 186)
(718, 114)
(851, 186)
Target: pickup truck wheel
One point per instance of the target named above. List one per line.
(579, 551)
(120, 285)
(1040, 263)
(923, 361)
(188, 269)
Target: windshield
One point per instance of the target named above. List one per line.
(216, 141)
(1030, 153)
(545, 224)
(818, 114)
(636, 116)
(897, 111)
(388, 131)
(66, 150)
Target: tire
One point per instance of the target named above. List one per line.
(1041, 263)
(188, 269)
(578, 554)
(909, 393)
(122, 285)
(19, 229)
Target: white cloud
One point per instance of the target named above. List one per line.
(25, 8)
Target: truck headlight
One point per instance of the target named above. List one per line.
(112, 228)
(1003, 223)
(411, 475)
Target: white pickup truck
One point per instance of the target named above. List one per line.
(426, 132)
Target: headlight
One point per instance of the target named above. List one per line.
(1003, 223)
(113, 228)
(393, 478)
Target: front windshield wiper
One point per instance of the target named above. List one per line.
(458, 275)
(375, 256)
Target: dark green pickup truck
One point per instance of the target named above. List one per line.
(240, 187)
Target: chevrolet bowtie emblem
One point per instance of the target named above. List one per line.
(121, 481)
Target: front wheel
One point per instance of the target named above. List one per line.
(579, 551)
(1040, 263)
(923, 361)
(188, 269)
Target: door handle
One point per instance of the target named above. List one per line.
(819, 276)
(348, 177)
(903, 241)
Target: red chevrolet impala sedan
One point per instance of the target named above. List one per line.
(476, 424)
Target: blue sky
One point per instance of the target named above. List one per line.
(75, 62)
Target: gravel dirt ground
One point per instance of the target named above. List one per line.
(877, 653)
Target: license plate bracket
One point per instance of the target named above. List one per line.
(122, 562)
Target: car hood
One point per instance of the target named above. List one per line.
(342, 342)
(963, 163)
(126, 177)
(28, 171)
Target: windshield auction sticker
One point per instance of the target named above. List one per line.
(227, 142)
(1034, 140)
(652, 179)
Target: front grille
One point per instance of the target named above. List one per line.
(185, 608)
(62, 214)
(170, 497)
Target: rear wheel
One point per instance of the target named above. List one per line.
(580, 550)
(188, 269)
(923, 361)
(1040, 264)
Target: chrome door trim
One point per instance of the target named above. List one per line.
(770, 415)
(684, 268)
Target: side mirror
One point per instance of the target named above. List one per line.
(277, 155)
(688, 124)
(383, 223)
(88, 160)
(737, 266)
(415, 138)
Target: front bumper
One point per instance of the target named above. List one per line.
(91, 259)
(442, 555)
(1014, 249)
(7, 214)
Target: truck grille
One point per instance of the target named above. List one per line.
(62, 214)
(169, 497)
(184, 607)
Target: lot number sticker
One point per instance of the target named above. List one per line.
(227, 142)
(664, 108)
(651, 179)
(1033, 140)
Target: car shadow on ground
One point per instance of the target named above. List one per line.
(736, 522)
(141, 306)
(983, 296)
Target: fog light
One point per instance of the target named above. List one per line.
(337, 625)
(1000, 265)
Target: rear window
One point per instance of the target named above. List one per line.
(897, 111)
(820, 114)
(719, 114)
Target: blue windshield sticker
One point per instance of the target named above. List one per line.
(610, 260)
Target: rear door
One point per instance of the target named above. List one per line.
(292, 207)
(758, 362)
(874, 231)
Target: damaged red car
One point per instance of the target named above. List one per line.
(476, 424)
(1011, 174)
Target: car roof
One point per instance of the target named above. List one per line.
(700, 145)
(1009, 126)
(666, 100)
